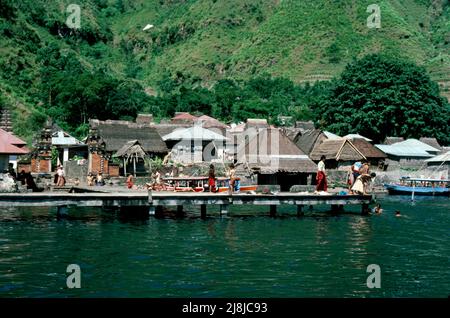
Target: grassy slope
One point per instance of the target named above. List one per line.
(237, 38)
(291, 40)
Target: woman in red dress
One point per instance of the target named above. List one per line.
(212, 179)
(321, 178)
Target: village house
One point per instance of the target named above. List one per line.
(10, 148)
(342, 153)
(275, 159)
(106, 138)
(67, 146)
(310, 139)
(195, 144)
(440, 162)
(409, 153)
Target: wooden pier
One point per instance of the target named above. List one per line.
(150, 201)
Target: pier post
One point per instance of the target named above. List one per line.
(203, 211)
(150, 196)
(152, 210)
(223, 209)
(364, 209)
(62, 211)
(300, 210)
(273, 210)
(180, 212)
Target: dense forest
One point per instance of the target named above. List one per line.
(231, 60)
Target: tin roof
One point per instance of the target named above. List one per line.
(409, 148)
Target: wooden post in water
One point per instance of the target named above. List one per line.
(180, 212)
(300, 210)
(152, 208)
(364, 209)
(273, 210)
(223, 209)
(62, 211)
(203, 211)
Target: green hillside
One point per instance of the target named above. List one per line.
(202, 41)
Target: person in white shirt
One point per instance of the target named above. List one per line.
(61, 179)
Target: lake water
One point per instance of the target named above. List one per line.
(247, 254)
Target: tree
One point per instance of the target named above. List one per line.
(379, 96)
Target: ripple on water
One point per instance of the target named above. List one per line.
(229, 257)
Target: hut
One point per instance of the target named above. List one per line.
(310, 139)
(275, 159)
(195, 144)
(183, 118)
(372, 154)
(356, 136)
(210, 122)
(106, 138)
(132, 153)
(342, 153)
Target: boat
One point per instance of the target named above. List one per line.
(223, 185)
(200, 184)
(420, 186)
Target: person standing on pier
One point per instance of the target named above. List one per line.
(321, 177)
(61, 179)
(212, 179)
(232, 176)
(130, 182)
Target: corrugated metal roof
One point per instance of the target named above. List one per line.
(7, 137)
(408, 148)
(440, 158)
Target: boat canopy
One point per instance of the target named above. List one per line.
(424, 179)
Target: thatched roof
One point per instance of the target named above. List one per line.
(337, 149)
(309, 139)
(115, 133)
(183, 117)
(305, 125)
(271, 151)
(368, 150)
(292, 133)
(210, 122)
(392, 140)
(131, 149)
(256, 123)
(356, 136)
(431, 142)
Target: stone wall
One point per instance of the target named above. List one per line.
(73, 170)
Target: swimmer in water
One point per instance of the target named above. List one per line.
(377, 209)
(397, 213)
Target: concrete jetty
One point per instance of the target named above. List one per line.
(152, 200)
